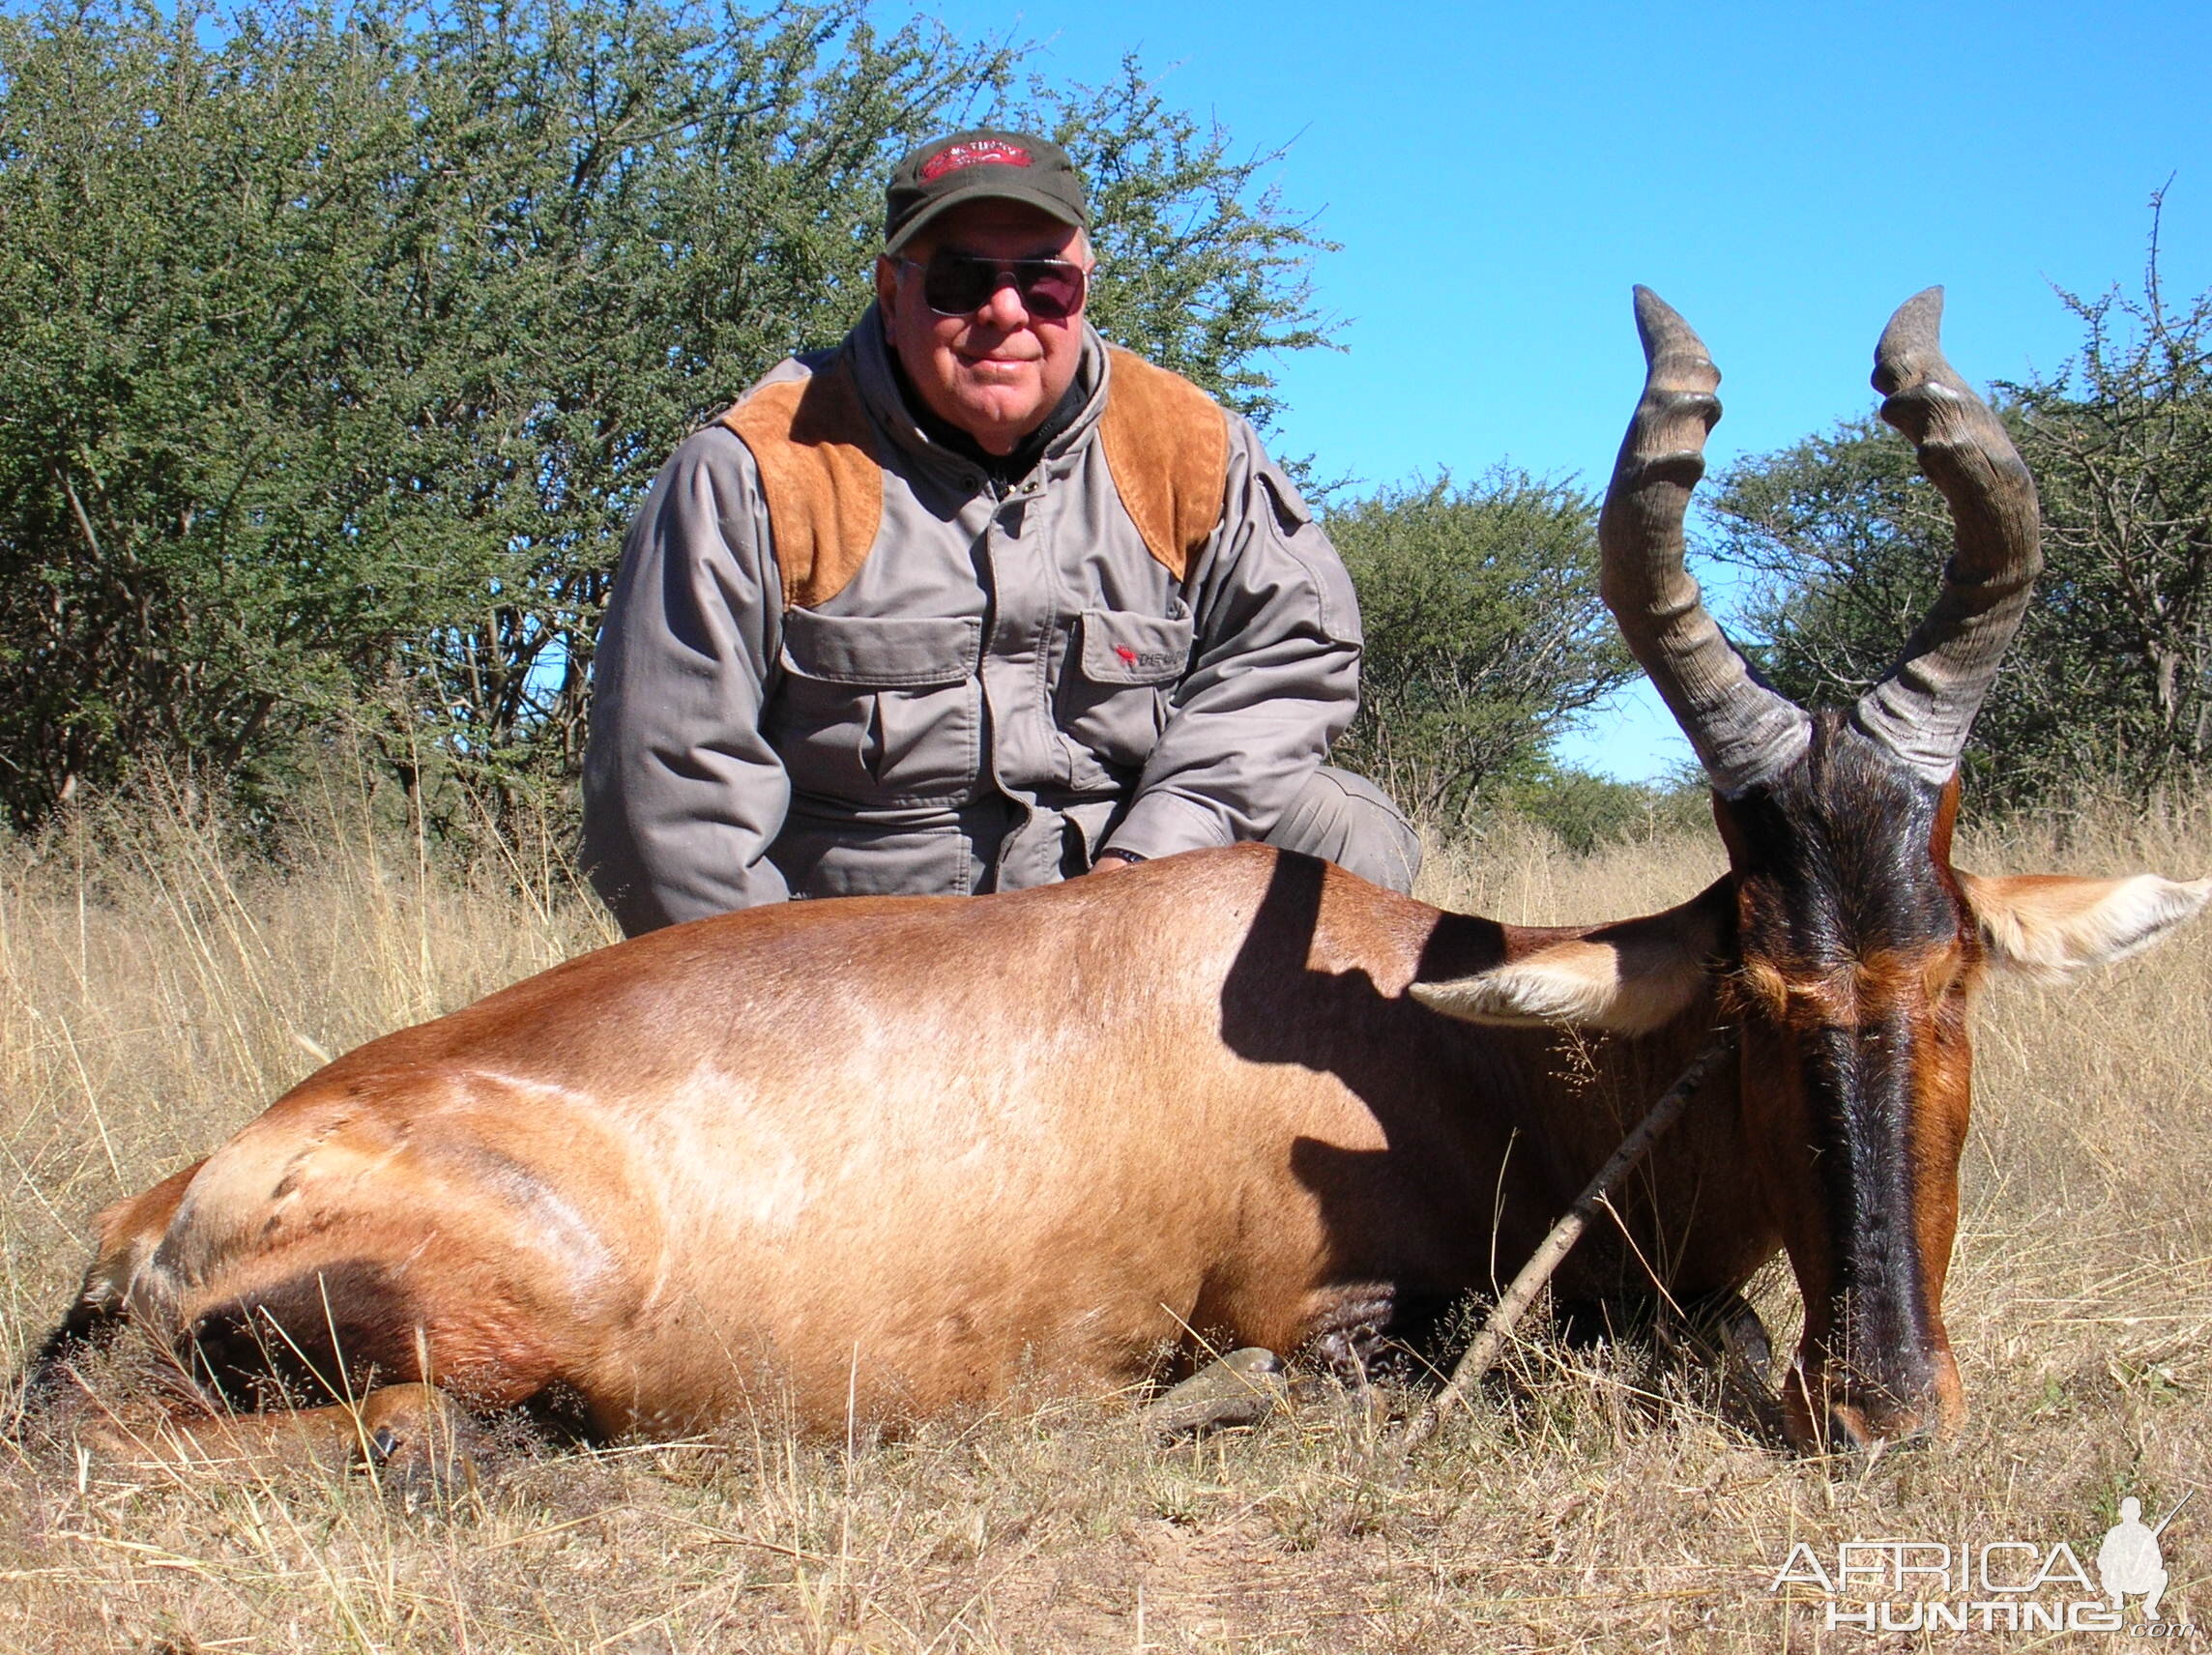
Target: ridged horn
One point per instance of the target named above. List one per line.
(1743, 732)
(1925, 704)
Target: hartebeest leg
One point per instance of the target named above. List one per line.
(1718, 1333)
(1734, 1332)
(1350, 1332)
(410, 1432)
(1717, 1328)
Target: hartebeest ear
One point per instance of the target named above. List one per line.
(2050, 925)
(1624, 978)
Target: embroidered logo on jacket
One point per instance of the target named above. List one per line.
(1130, 658)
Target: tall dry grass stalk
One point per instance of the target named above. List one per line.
(158, 985)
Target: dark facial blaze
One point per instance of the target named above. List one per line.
(1858, 956)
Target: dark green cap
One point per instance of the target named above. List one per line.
(980, 166)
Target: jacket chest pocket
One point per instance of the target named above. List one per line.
(1113, 700)
(879, 708)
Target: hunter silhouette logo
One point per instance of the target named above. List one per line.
(2130, 1564)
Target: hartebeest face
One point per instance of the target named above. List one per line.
(1846, 949)
(1857, 955)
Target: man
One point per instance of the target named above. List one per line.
(971, 603)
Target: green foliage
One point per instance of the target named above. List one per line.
(2110, 682)
(170, 366)
(1586, 812)
(1484, 631)
(335, 352)
(1849, 541)
(2121, 446)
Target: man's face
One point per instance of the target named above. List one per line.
(996, 372)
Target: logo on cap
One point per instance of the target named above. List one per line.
(985, 151)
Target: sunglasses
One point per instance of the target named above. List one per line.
(960, 284)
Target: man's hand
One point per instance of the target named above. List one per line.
(1114, 861)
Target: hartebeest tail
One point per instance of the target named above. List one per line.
(894, 1156)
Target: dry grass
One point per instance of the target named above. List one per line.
(155, 992)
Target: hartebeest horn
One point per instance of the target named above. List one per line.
(1744, 733)
(1925, 704)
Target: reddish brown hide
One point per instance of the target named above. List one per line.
(886, 1158)
(679, 1176)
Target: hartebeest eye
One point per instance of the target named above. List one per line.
(1946, 970)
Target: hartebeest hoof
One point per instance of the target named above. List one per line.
(414, 1439)
(1738, 1335)
(1241, 1389)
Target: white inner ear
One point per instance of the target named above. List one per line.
(2050, 927)
(1623, 990)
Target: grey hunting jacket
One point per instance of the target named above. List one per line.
(1009, 681)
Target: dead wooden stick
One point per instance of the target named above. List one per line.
(1516, 1299)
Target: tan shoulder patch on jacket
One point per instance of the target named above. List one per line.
(816, 453)
(1166, 447)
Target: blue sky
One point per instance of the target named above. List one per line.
(1782, 175)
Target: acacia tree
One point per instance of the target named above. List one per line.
(335, 352)
(182, 342)
(1484, 632)
(2109, 680)
(2121, 448)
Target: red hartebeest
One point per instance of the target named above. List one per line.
(889, 1154)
